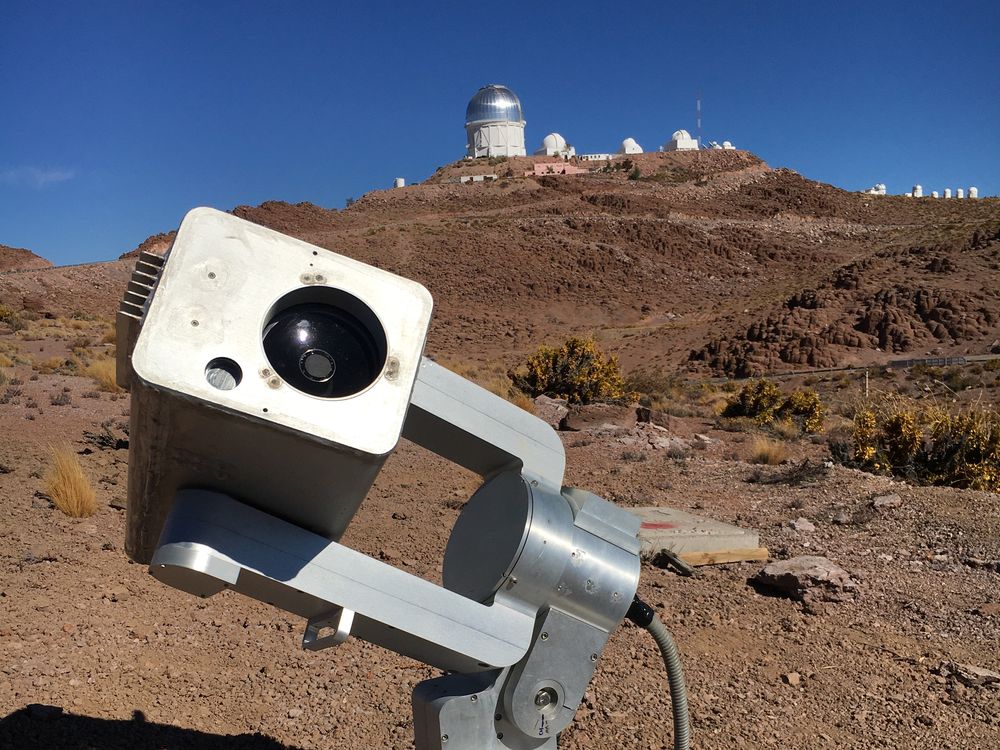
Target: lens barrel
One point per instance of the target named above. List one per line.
(323, 349)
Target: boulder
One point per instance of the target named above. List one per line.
(600, 417)
(649, 435)
(551, 410)
(807, 578)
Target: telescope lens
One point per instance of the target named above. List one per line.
(323, 350)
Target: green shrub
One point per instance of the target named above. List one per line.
(576, 371)
(11, 319)
(763, 402)
(758, 400)
(928, 444)
(805, 409)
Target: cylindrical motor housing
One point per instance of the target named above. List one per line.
(524, 542)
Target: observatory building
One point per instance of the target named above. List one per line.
(555, 145)
(681, 140)
(494, 123)
(629, 146)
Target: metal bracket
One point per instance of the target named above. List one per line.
(338, 618)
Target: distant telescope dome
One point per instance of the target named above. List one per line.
(554, 142)
(494, 103)
(680, 135)
(629, 146)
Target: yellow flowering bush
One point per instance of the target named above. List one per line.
(758, 400)
(763, 402)
(576, 371)
(805, 409)
(927, 444)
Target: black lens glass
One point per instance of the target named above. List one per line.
(322, 350)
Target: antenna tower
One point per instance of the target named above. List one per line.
(697, 110)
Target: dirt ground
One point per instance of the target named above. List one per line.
(717, 264)
(94, 653)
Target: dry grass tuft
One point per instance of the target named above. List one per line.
(785, 429)
(68, 485)
(102, 372)
(766, 451)
(110, 336)
(49, 365)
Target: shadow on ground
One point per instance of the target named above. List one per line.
(40, 726)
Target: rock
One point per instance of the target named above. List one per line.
(802, 524)
(649, 435)
(988, 610)
(142, 632)
(970, 675)
(807, 578)
(792, 678)
(294, 713)
(842, 519)
(551, 410)
(887, 501)
(118, 503)
(117, 594)
(388, 554)
(599, 418)
(701, 442)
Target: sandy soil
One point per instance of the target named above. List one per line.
(130, 663)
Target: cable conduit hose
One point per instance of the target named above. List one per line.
(642, 614)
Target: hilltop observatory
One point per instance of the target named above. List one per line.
(629, 146)
(681, 140)
(555, 145)
(494, 123)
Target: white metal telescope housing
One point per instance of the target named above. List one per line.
(270, 380)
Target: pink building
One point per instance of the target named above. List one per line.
(554, 168)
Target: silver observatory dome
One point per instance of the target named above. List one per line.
(494, 103)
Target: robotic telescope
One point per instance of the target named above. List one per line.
(270, 380)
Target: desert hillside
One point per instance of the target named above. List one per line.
(708, 261)
(19, 259)
(705, 264)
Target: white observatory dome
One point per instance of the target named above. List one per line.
(555, 145)
(553, 142)
(630, 146)
(681, 140)
(494, 123)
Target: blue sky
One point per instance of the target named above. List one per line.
(117, 117)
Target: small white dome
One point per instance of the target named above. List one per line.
(680, 135)
(629, 146)
(553, 142)
(727, 144)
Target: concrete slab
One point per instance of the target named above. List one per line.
(695, 539)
